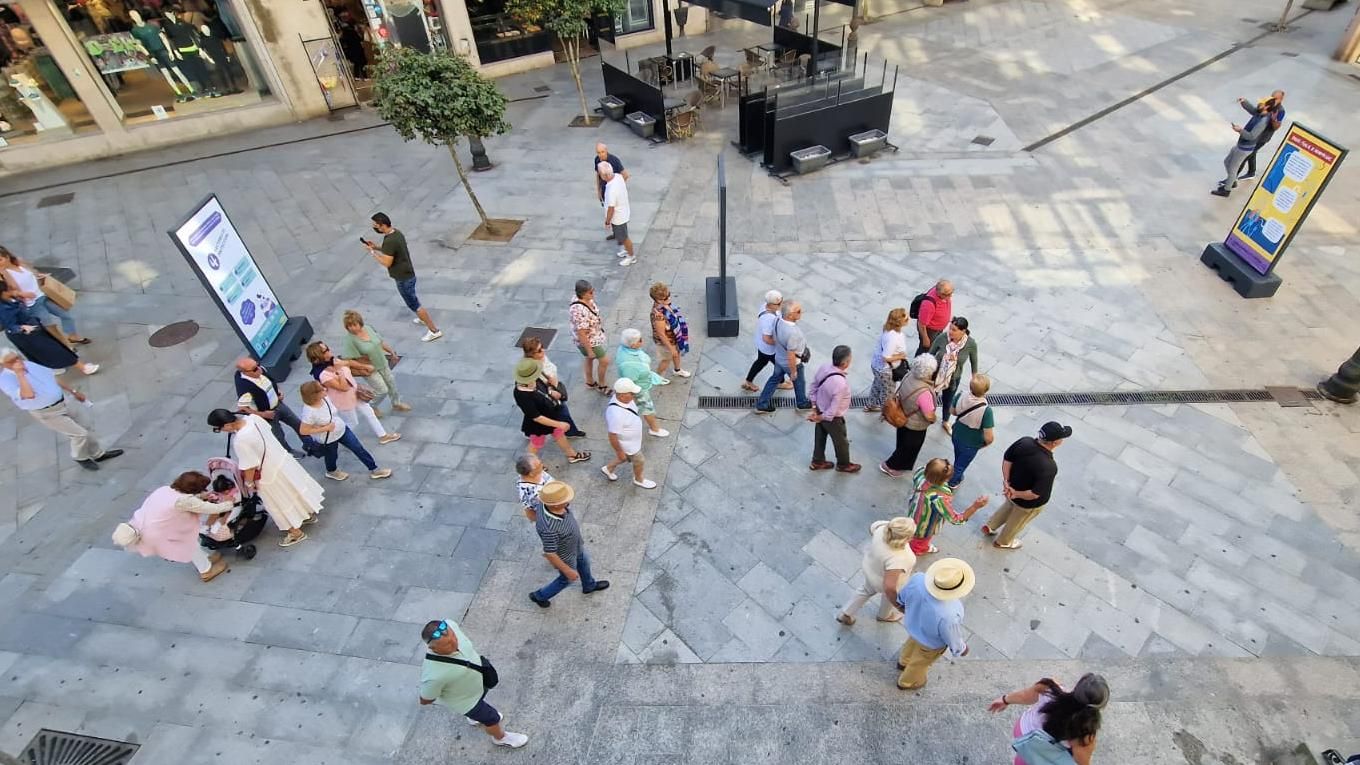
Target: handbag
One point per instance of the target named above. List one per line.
(900, 371)
(807, 352)
(393, 360)
(561, 389)
(365, 394)
(893, 413)
(1039, 748)
(64, 297)
(490, 678)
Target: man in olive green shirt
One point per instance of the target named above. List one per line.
(393, 255)
(450, 677)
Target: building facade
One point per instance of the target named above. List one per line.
(88, 79)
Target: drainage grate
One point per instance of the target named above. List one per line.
(544, 335)
(54, 747)
(983, 140)
(1113, 398)
(542, 89)
(56, 200)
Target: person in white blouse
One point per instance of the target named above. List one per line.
(890, 356)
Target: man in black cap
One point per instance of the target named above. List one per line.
(1027, 473)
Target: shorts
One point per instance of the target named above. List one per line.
(538, 442)
(407, 289)
(483, 713)
(636, 458)
(620, 232)
(597, 351)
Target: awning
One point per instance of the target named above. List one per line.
(754, 11)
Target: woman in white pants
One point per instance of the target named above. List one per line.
(343, 392)
(887, 561)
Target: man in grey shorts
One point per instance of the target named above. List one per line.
(617, 213)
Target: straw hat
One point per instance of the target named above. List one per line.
(527, 371)
(555, 494)
(950, 579)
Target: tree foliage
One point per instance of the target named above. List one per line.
(437, 97)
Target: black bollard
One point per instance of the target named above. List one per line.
(480, 162)
(1343, 386)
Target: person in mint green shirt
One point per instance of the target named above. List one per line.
(451, 676)
(365, 344)
(973, 423)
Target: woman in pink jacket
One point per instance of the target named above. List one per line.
(166, 525)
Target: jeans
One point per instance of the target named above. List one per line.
(835, 428)
(407, 289)
(45, 306)
(799, 387)
(947, 400)
(1249, 163)
(963, 457)
(560, 583)
(350, 441)
(1232, 163)
(283, 415)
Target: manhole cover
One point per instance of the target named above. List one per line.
(543, 334)
(173, 334)
(57, 200)
(54, 747)
(542, 89)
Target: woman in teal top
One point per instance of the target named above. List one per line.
(366, 344)
(973, 429)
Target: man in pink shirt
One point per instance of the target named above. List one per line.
(934, 313)
(830, 401)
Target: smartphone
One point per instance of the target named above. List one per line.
(365, 241)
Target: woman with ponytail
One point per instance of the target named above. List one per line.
(1059, 724)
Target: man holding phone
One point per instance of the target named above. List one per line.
(393, 255)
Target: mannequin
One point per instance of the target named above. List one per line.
(215, 52)
(183, 41)
(156, 45)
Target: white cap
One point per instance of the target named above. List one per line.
(625, 385)
(773, 297)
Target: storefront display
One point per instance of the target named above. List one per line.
(36, 99)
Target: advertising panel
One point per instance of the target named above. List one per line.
(213, 247)
(1282, 199)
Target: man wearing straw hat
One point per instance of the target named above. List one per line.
(933, 606)
(563, 546)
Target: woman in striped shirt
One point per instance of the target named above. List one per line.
(934, 504)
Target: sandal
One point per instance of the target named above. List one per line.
(605, 389)
(749, 386)
(290, 541)
(891, 619)
(579, 457)
(81, 341)
(1016, 545)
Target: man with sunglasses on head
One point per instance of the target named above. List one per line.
(259, 394)
(455, 675)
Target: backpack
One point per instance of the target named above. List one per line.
(1039, 748)
(915, 310)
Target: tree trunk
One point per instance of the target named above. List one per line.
(462, 176)
(1284, 17)
(573, 50)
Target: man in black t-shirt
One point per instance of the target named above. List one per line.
(1027, 473)
(393, 255)
(602, 155)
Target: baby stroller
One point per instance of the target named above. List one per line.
(247, 518)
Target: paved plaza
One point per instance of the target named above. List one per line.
(1205, 558)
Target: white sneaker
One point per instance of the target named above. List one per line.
(431, 336)
(663, 381)
(417, 320)
(628, 261)
(380, 473)
(89, 369)
(621, 254)
(512, 739)
(645, 483)
(661, 433)
(682, 373)
(337, 475)
(607, 474)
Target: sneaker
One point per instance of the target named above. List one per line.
(600, 584)
(845, 619)
(889, 472)
(628, 261)
(429, 336)
(621, 254)
(389, 438)
(89, 369)
(288, 541)
(1246, 177)
(337, 475)
(380, 473)
(1219, 192)
(682, 373)
(645, 483)
(661, 433)
(764, 410)
(576, 434)
(662, 381)
(611, 475)
(401, 407)
(417, 320)
(805, 407)
(512, 740)
(542, 602)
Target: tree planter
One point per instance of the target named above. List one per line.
(613, 107)
(641, 123)
(867, 143)
(812, 158)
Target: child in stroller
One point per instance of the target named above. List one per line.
(238, 528)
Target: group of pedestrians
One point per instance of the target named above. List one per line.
(1265, 117)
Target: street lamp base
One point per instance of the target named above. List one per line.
(1344, 386)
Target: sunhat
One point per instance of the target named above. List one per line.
(950, 579)
(527, 371)
(555, 494)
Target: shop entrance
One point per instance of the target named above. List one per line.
(36, 99)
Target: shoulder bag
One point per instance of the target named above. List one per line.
(490, 678)
(807, 352)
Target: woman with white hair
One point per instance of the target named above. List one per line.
(887, 560)
(916, 396)
(636, 365)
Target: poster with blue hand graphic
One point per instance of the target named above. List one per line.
(226, 267)
(1282, 200)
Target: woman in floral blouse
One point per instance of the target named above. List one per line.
(587, 330)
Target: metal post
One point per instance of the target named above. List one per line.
(816, 20)
(666, 19)
(722, 233)
(480, 162)
(1343, 386)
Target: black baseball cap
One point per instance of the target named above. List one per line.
(1054, 431)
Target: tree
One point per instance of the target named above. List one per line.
(439, 97)
(568, 19)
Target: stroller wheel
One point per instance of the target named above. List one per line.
(247, 551)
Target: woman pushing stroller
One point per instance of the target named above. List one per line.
(167, 525)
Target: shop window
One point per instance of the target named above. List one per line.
(500, 37)
(160, 60)
(36, 99)
(636, 17)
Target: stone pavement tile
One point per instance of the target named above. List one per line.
(166, 744)
(708, 538)
(641, 627)
(419, 605)
(832, 553)
(1121, 629)
(820, 586)
(395, 642)
(289, 670)
(317, 592)
(375, 684)
(429, 537)
(816, 629)
(754, 627)
(774, 593)
(668, 648)
(302, 629)
(31, 717)
(439, 455)
(382, 731)
(213, 746)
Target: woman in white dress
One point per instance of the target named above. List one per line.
(291, 496)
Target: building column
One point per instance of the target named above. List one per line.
(1349, 49)
(459, 30)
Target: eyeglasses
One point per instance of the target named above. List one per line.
(440, 631)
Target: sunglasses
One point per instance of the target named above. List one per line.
(440, 631)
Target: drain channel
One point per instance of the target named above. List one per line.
(55, 747)
(1110, 398)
